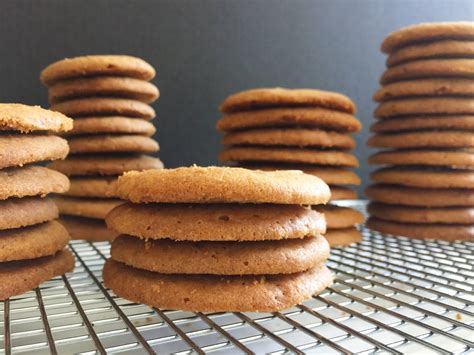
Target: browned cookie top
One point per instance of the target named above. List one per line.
(113, 125)
(415, 123)
(340, 217)
(125, 143)
(26, 211)
(423, 139)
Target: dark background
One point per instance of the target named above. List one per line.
(206, 50)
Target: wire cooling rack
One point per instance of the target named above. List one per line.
(390, 295)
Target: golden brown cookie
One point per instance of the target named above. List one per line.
(424, 139)
(281, 97)
(114, 124)
(112, 144)
(221, 258)
(213, 222)
(460, 122)
(86, 207)
(105, 165)
(213, 293)
(17, 277)
(340, 217)
(413, 196)
(343, 237)
(31, 181)
(342, 193)
(299, 137)
(104, 106)
(22, 212)
(456, 215)
(103, 187)
(289, 155)
(92, 230)
(24, 118)
(110, 86)
(95, 65)
(435, 231)
(17, 150)
(222, 185)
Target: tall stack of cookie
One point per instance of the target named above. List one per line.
(218, 239)
(425, 124)
(32, 242)
(303, 129)
(108, 96)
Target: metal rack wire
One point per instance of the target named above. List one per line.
(390, 295)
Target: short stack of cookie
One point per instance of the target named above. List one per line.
(302, 129)
(108, 96)
(425, 124)
(32, 242)
(218, 239)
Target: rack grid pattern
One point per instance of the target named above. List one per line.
(390, 295)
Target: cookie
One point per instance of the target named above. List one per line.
(338, 217)
(430, 50)
(92, 230)
(110, 86)
(83, 207)
(222, 185)
(456, 215)
(225, 222)
(425, 87)
(424, 139)
(17, 150)
(456, 159)
(105, 165)
(281, 97)
(425, 177)
(95, 65)
(32, 242)
(16, 213)
(313, 117)
(298, 137)
(429, 68)
(114, 124)
(17, 277)
(112, 144)
(342, 193)
(399, 124)
(31, 181)
(103, 187)
(221, 258)
(428, 32)
(104, 106)
(342, 237)
(413, 196)
(213, 293)
(289, 155)
(24, 118)
(435, 231)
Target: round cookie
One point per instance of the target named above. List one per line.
(31, 181)
(338, 217)
(289, 155)
(222, 185)
(32, 242)
(82, 207)
(110, 86)
(281, 97)
(112, 144)
(17, 150)
(423, 139)
(430, 31)
(456, 215)
(428, 68)
(24, 118)
(105, 165)
(114, 124)
(290, 137)
(455, 159)
(16, 213)
(213, 293)
(92, 230)
(17, 277)
(105, 106)
(103, 187)
(96, 65)
(425, 87)
(435, 231)
(342, 193)
(227, 222)
(343, 237)
(399, 124)
(221, 258)
(313, 117)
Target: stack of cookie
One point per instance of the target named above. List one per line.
(32, 242)
(108, 96)
(425, 124)
(218, 239)
(302, 129)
